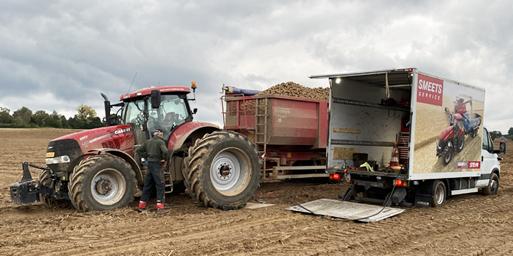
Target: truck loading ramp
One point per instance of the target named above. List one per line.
(347, 210)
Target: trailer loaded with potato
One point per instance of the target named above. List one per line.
(290, 132)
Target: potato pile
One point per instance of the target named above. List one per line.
(296, 90)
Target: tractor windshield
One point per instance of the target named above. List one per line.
(172, 112)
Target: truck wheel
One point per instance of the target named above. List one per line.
(493, 185)
(222, 170)
(101, 182)
(438, 193)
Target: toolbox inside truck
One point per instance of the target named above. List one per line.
(370, 121)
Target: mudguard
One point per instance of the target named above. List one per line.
(192, 130)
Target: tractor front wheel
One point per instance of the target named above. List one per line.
(222, 170)
(101, 182)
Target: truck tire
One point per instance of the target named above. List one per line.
(493, 185)
(438, 193)
(101, 182)
(222, 170)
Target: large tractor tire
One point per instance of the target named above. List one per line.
(101, 182)
(222, 170)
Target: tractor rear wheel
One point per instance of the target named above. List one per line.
(101, 182)
(222, 170)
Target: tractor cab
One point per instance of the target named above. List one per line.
(163, 107)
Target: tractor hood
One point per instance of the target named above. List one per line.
(116, 137)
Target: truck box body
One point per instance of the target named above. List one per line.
(360, 123)
(291, 133)
(429, 128)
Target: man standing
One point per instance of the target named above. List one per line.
(155, 152)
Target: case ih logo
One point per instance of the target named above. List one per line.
(430, 90)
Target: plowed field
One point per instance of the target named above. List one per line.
(466, 225)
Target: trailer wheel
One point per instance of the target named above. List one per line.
(101, 182)
(493, 185)
(222, 170)
(438, 193)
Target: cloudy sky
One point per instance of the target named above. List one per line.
(55, 55)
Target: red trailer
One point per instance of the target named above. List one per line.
(290, 133)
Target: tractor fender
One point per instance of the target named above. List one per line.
(116, 152)
(190, 130)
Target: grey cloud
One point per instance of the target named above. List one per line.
(74, 49)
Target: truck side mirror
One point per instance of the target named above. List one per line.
(155, 99)
(194, 111)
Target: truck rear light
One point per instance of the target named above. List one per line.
(335, 177)
(400, 183)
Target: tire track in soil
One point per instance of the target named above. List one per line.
(470, 224)
(162, 236)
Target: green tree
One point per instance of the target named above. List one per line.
(41, 118)
(86, 112)
(22, 117)
(54, 120)
(64, 122)
(510, 132)
(5, 116)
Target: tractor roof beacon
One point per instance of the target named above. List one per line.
(97, 169)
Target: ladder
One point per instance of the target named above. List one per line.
(261, 135)
(168, 179)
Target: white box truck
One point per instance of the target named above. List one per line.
(406, 137)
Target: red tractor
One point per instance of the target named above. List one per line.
(98, 170)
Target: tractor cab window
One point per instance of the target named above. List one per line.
(134, 112)
(171, 113)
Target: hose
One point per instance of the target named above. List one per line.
(385, 204)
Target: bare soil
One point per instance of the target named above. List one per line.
(466, 225)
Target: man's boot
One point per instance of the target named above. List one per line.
(159, 206)
(142, 206)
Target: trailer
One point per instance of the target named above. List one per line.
(405, 137)
(290, 133)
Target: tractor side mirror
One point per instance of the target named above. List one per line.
(194, 111)
(155, 99)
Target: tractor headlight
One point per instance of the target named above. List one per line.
(58, 160)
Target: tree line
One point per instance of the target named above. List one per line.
(85, 118)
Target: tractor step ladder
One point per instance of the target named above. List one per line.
(261, 136)
(168, 181)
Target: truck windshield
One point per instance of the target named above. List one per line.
(172, 112)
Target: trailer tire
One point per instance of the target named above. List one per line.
(101, 182)
(438, 193)
(493, 185)
(222, 170)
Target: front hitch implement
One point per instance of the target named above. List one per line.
(25, 191)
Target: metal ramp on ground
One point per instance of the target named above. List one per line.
(347, 210)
